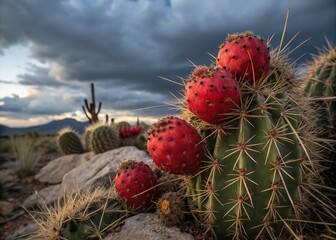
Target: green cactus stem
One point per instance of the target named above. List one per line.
(255, 176)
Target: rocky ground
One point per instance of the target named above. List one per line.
(57, 174)
(15, 191)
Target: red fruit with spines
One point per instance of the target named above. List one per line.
(175, 146)
(211, 93)
(135, 183)
(246, 55)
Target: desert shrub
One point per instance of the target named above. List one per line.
(5, 145)
(48, 145)
(27, 154)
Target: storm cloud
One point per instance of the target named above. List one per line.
(123, 46)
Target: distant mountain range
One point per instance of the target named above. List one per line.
(49, 128)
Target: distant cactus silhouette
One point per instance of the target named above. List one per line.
(91, 108)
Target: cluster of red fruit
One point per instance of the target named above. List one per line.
(125, 132)
(211, 93)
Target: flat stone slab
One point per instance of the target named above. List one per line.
(54, 171)
(147, 226)
(101, 165)
(25, 232)
(44, 197)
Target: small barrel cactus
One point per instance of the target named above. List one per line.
(87, 136)
(90, 223)
(103, 139)
(69, 141)
(129, 141)
(123, 124)
(85, 214)
(320, 87)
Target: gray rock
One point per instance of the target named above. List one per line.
(6, 208)
(99, 166)
(54, 171)
(147, 226)
(44, 197)
(25, 232)
(8, 176)
(106, 180)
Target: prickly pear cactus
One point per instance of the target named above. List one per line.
(69, 142)
(104, 138)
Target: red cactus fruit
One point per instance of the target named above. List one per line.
(175, 146)
(135, 183)
(124, 132)
(211, 93)
(136, 130)
(246, 55)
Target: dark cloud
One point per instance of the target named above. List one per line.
(125, 45)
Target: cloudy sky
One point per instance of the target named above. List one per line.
(50, 51)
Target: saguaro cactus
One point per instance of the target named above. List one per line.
(91, 108)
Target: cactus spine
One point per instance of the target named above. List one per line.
(85, 214)
(69, 142)
(320, 87)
